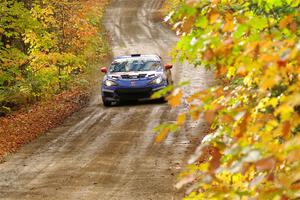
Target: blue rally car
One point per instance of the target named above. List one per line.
(134, 77)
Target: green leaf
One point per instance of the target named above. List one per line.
(240, 31)
(258, 22)
(202, 22)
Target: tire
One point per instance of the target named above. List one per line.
(106, 103)
(162, 100)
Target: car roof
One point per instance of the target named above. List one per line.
(138, 56)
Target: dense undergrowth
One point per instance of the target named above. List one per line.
(47, 47)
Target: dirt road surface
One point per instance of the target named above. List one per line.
(109, 153)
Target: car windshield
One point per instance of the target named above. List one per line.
(133, 65)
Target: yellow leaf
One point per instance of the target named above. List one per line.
(270, 78)
(285, 111)
(162, 135)
(231, 72)
(195, 112)
(181, 119)
(229, 25)
(213, 16)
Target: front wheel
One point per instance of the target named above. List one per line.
(106, 103)
(162, 100)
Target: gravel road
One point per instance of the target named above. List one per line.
(110, 153)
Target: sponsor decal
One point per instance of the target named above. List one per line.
(132, 83)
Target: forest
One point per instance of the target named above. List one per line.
(47, 47)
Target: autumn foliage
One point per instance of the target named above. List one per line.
(46, 46)
(253, 47)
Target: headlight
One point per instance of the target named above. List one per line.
(157, 81)
(109, 83)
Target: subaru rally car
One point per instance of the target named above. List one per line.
(134, 77)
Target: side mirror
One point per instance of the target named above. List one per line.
(168, 66)
(103, 70)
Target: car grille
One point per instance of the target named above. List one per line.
(133, 76)
(108, 94)
(133, 93)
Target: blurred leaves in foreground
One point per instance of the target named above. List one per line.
(253, 47)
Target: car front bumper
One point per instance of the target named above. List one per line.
(129, 94)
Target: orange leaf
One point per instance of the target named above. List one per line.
(191, 2)
(227, 118)
(194, 96)
(285, 21)
(286, 128)
(296, 185)
(195, 114)
(208, 54)
(241, 71)
(215, 160)
(267, 57)
(293, 26)
(281, 63)
(215, 1)
(188, 24)
(265, 164)
(175, 98)
(222, 70)
(18, 78)
(209, 116)
(218, 93)
(293, 156)
(242, 128)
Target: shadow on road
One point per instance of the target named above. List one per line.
(138, 103)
